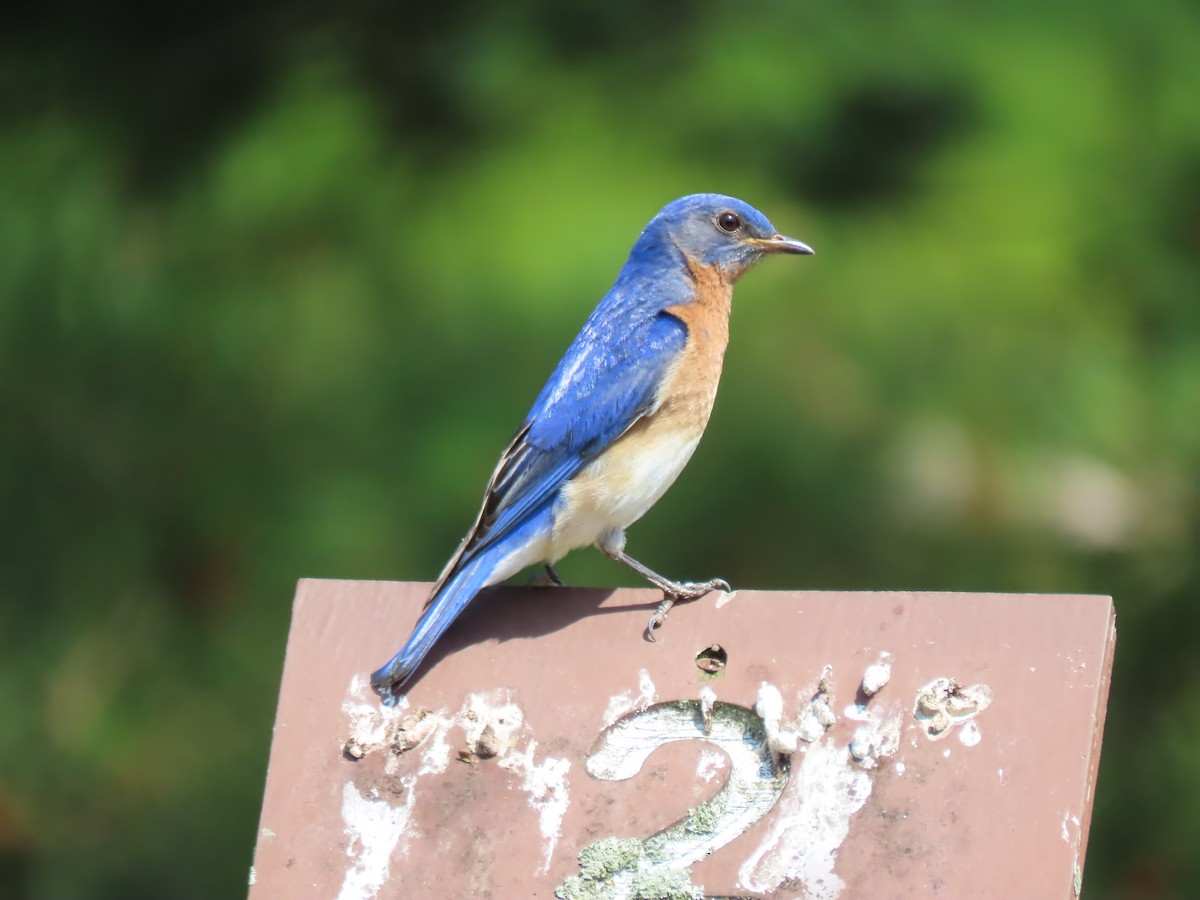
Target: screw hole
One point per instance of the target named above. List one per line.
(712, 659)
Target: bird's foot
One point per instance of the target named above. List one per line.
(548, 578)
(676, 592)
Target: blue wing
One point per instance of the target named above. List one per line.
(605, 382)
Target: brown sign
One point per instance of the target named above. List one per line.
(768, 744)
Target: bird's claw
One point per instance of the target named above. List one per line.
(660, 616)
(687, 590)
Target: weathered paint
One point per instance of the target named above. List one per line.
(484, 760)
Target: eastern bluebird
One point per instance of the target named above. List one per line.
(617, 421)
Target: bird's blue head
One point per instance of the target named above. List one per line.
(716, 231)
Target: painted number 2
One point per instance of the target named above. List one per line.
(659, 866)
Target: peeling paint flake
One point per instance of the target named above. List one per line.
(877, 675)
(878, 737)
(944, 704)
(375, 728)
(491, 721)
(816, 717)
(769, 706)
(813, 720)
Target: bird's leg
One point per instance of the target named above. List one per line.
(673, 591)
(548, 578)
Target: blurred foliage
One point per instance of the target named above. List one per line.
(256, 259)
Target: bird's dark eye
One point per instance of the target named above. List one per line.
(729, 222)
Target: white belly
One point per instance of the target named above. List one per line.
(616, 489)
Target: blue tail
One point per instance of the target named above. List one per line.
(444, 607)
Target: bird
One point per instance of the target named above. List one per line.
(617, 420)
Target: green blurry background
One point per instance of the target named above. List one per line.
(279, 279)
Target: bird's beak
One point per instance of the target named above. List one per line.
(781, 244)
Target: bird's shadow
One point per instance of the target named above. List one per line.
(505, 612)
